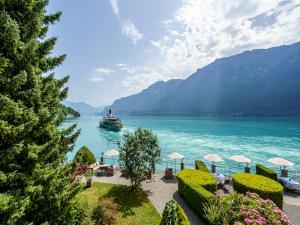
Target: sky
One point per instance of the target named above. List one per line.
(117, 48)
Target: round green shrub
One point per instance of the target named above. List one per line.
(84, 155)
(265, 187)
(173, 214)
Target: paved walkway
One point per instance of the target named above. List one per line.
(160, 191)
(291, 206)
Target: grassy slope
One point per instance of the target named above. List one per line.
(133, 208)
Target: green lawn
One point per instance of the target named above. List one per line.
(127, 207)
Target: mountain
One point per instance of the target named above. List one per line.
(262, 82)
(99, 110)
(140, 102)
(83, 108)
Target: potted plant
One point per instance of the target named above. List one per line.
(89, 177)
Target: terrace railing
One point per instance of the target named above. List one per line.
(227, 170)
(292, 173)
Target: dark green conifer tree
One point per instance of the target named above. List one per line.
(35, 184)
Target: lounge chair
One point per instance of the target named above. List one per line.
(220, 178)
(100, 172)
(289, 183)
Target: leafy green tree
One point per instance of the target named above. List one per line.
(139, 152)
(35, 184)
(149, 144)
(132, 157)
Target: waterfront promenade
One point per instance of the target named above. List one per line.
(160, 191)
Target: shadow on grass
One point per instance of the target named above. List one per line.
(126, 199)
(85, 187)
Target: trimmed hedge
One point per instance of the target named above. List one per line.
(199, 165)
(265, 187)
(173, 214)
(266, 172)
(84, 155)
(196, 188)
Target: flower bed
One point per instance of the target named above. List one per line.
(239, 209)
(265, 187)
(251, 209)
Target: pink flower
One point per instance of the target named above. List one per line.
(238, 223)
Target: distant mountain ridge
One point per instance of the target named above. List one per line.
(262, 82)
(83, 108)
(140, 102)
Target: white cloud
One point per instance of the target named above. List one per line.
(96, 78)
(202, 31)
(102, 70)
(121, 65)
(126, 77)
(130, 30)
(168, 21)
(139, 80)
(115, 6)
(98, 73)
(156, 44)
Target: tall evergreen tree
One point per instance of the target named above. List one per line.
(35, 184)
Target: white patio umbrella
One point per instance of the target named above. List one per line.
(281, 162)
(214, 158)
(240, 159)
(112, 153)
(175, 156)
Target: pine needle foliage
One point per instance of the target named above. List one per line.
(35, 184)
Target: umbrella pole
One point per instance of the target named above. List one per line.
(175, 166)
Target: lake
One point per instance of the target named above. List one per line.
(256, 138)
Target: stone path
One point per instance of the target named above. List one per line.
(160, 191)
(291, 206)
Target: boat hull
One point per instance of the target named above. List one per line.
(112, 127)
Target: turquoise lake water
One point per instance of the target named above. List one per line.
(256, 138)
